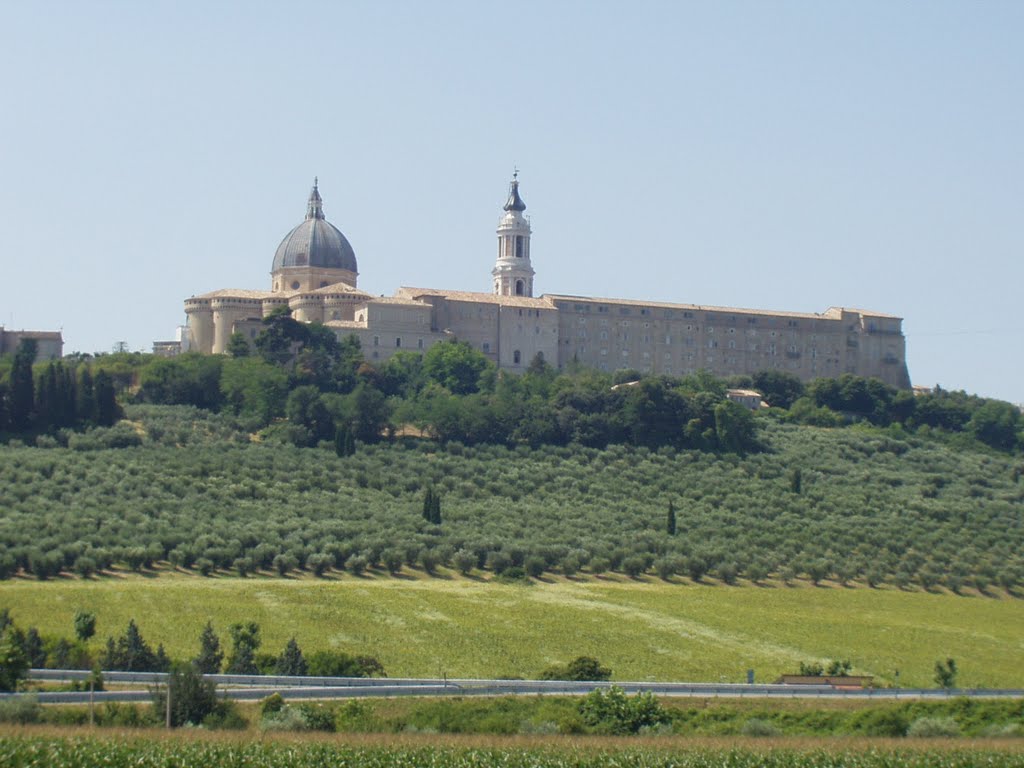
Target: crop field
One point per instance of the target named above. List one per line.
(61, 751)
(642, 629)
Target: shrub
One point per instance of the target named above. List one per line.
(317, 716)
(301, 717)
(225, 717)
(20, 710)
(273, 703)
(888, 722)
(535, 566)
(428, 561)
(934, 727)
(356, 564)
(612, 711)
(193, 698)
(757, 727)
(465, 561)
(582, 668)
(287, 719)
(340, 664)
(633, 566)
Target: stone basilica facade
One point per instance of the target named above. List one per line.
(314, 274)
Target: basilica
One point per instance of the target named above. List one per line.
(315, 273)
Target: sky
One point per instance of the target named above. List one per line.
(773, 155)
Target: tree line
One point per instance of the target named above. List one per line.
(53, 396)
(300, 383)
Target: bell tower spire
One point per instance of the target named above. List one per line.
(513, 273)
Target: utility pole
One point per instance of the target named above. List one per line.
(92, 691)
(168, 702)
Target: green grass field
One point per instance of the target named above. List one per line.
(642, 630)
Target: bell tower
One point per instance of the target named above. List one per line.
(512, 273)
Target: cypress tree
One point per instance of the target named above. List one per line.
(291, 661)
(4, 394)
(22, 393)
(210, 655)
(246, 641)
(107, 411)
(435, 511)
(85, 397)
(670, 523)
(46, 398)
(344, 443)
(428, 505)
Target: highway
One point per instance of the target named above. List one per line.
(254, 687)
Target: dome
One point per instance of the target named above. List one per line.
(315, 242)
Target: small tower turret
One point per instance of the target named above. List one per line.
(513, 273)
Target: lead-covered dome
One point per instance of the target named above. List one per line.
(315, 242)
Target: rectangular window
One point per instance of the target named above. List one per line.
(376, 341)
(398, 341)
(519, 246)
(486, 346)
(419, 343)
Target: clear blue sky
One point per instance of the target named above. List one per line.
(775, 155)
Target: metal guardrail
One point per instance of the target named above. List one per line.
(250, 687)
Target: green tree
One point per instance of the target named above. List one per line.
(370, 413)
(131, 653)
(332, 663)
(735, 427)
(245, 639)
(282, 337)
(85, 625)
(996, 424)
(455, 365)
(796, 480)
(432, 506)
(306, 410)
(253, 388)
(193, 698)
(238, 345)
(85, 396)
(611, 711)
(945, 673)
(107, 410)
(22, 387)
(779, 389)
(34, 648)
(670, 521)
(210, 654)
(14, 662)
(291, 661)
(344, 442)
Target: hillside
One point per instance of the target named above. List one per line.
(641, 629)
(184, 486)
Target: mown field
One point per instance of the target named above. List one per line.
(641, 629)
(62, 751)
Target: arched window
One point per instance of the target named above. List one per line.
(520, 287)
(519, 246)
(516, 357)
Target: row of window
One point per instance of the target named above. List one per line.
(398, 342)
(668, 314)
